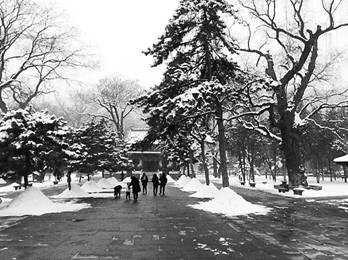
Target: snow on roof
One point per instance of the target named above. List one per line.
(135, 135)
(341, 159)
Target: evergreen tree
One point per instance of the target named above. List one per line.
(195, 47)
(31, 142)
(98, 149)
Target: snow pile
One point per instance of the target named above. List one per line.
(33, 202)
(105, 184)
(183, 180)
(170, 179)
(113, 181)
(193, 185)
(2, 181)
(91, 186)
(75, 192)
(206, 191)
(127, 180)
(229, 203)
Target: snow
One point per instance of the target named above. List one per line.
(170, 179)
(193, 185)
(341, 159)
(2, 181)
(33, 202)
(127, 180)
(8, 188)
(206, 191)
(230, 204)
(113, 181)
(183, 180)
(329, 189)
(105, 184)
(75, 192)
(91, 186)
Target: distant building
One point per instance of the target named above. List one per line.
(148, 161)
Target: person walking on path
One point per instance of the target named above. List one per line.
(155, 183)
(163, 182)
(135, 187)
(144, 181)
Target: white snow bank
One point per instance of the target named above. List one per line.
(193, 185)
(105, 184)
(127, 180)
(170, 179)
(2, 181)
(91, 186)
(206, 191)
(183, 180)
(33, 202)
(229, 203)
(75, 192)
(113, 181)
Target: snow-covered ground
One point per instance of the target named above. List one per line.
(224, 201)
(33, 202)
(329, 189)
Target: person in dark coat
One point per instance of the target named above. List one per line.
(163, 182)
(155, 183)
(135, 187)
(144, 181)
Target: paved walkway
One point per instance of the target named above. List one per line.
(165, 228)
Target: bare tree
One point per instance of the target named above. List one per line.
(113, 96)
(286, 102)
(35, 47)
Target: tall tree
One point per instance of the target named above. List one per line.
(112, 96)
(287, 101)
(31, 142)
(34, 48)
(195, 48)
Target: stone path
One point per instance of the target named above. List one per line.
(165, 228)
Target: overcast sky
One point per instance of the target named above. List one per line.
(119, 30)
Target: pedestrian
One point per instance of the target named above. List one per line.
(135, 187)
(155, 183)
(163, 182)
(144, 181)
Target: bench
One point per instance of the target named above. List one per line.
(298, 191)
(252, 184)
(281, 188)
(314, 187)
(17, 187)
(242, 182)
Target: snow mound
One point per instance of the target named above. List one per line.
(75, 192)
(113, 181)
(229, 203)
(193, 185)
(170, 179)
(105, 184)
(183, 180)
(33, 202)
(91, 186)
(206, 191)
(127, 180)
(2, 181)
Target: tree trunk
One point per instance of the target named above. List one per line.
(222, 145)
(215, 167)
(345, 172)
(291, 150)
(204, 162)
(191, 164)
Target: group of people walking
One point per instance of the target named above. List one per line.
(160, 181)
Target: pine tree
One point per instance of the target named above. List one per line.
(196, 48)
(31, 142)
